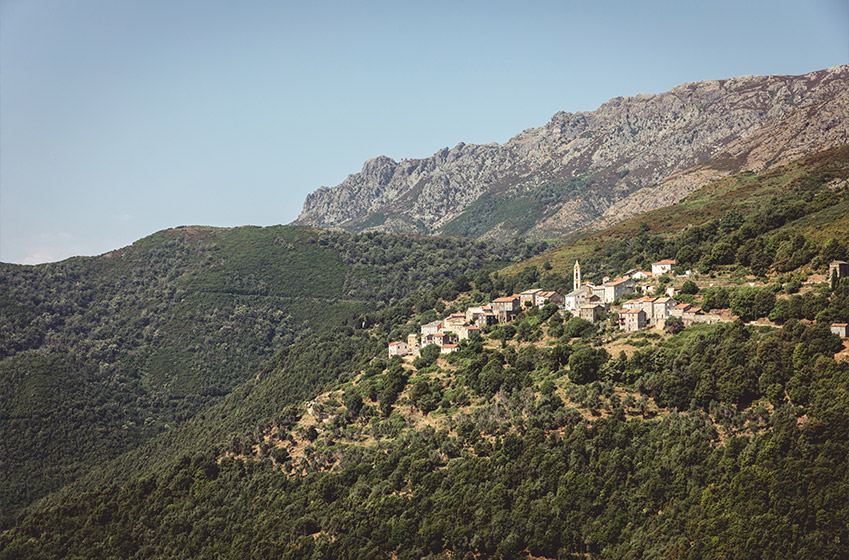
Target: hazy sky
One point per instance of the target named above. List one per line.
(119, 118)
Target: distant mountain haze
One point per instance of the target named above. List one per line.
(589, 170)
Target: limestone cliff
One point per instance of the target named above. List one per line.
(588, 170)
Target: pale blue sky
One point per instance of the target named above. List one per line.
(121, 118)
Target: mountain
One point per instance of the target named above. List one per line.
(100, 355)
(550, 437)
(765, 222)
(590, 170)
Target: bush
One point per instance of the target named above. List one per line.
(689, 287)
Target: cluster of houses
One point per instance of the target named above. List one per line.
(587, 301)
(448, 332)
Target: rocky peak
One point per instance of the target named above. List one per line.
(675, 140)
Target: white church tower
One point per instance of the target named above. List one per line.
(577, 275)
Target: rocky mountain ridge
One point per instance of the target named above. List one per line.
(592, 169)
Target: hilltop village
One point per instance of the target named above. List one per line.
(636, 299)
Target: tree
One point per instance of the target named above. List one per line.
(424, 397)
(584, 364)
(674, 325)
(689, 287)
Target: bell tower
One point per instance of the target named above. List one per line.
(577, 275)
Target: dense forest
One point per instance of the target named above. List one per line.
(213, 393)
(721, 441)
(102, 354)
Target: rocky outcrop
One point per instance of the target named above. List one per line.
(633, 154)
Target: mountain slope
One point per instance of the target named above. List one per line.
(764, 215)
(541, 447)
(589, 169)
(100, 355)
(545, 440)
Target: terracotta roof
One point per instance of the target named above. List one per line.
(681, 306)
(632, 312)
(665, 261)
(396, 343)
(839, 324)
(504, 299)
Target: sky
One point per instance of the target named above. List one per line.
(122, 118)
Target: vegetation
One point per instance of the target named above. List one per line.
(536, 464)
(100, 355)
(777, 221)
(226, 394)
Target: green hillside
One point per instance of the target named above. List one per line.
(549, 437)
(542, 446)
(774, 221)
(99, 355)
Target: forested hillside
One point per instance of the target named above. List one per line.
(101, 354)
(538, 445)
(548, 437)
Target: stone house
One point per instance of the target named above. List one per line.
(506, 308)
(691, 315)
(529, 296)
(633, 320)
(431, 328)
(647, 305)
(544, 297)
(575, 299)
(840, 329)
(662, 267)
(678, 310)
(694, 315)
(591, 312)
(597, 291)
(840, 269)
(448, 348)
(440, 339)
(661, 308)
(615, 289)
(398, 348)
(481, 316)
(413, 344)
(453, 321)
(465, 331)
